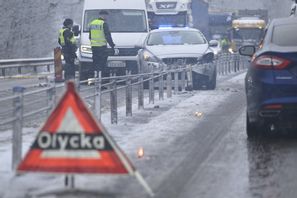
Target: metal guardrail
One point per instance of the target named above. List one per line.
(19, 64)
(173, 81)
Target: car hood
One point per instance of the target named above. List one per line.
(170, 51)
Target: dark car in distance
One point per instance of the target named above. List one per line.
(271, 80)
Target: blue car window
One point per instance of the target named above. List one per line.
(285, 35)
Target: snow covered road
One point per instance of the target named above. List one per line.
(167, 131)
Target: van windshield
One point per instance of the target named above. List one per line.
(119, 20)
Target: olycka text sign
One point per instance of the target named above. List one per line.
(72, 141)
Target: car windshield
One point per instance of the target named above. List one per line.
(248, 34)
(176, 38)
(119, 20)
(285, 35)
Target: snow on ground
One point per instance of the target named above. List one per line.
(154, 128)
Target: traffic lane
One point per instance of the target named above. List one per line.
(239, 167)
(272, 167)
(225, 172)
(202, 141)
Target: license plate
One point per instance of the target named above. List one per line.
(116, 64)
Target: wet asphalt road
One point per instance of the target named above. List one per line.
(218, 161)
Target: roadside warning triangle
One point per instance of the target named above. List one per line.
(71, 141)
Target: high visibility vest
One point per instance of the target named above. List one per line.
(97, 33)
(62, 39)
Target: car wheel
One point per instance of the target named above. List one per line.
(252, 129)
(213, 82)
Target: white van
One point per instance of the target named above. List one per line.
(128, 24)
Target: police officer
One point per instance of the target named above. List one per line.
(99, 36)
(68, 44)
(225, 44)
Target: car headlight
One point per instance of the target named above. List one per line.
(149, 57)
(86, 49)
(231, 50)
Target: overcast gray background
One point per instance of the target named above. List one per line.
(29, 28)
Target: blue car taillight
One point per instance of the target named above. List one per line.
(270, 62)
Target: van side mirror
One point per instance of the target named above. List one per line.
(213, 43)
(248, 50)
(76, 30)
(139, 46)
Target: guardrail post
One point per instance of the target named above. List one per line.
(51, 98)
(128, 95)
(3, 71)
(48, 68)
(113, 102)
(229, 63)
(97, 97)
(161, 87)
(218, 65)
(175, 82)
(35, 69)
(19, 70)
(183, 79)
(224, 58)
(18, 105)
(190, 78)
(233, 63)
(169, 85)
(140, 93)
(238, 62)
(77, 81)
(151, 89)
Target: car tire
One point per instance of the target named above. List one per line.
(213, 82)
(252, 129)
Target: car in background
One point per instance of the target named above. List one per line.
(216, 47)
(171, 48)
(271, 80)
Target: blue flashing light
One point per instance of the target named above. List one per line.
(165, 26)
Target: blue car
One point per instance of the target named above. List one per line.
(271, 80)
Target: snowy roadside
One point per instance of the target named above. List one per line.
(154, 128)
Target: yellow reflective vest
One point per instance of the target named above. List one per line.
(62, 39)
(97, 33)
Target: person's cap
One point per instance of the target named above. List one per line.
(68, 22)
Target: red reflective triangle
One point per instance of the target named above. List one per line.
(71, 141)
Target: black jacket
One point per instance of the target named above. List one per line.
(69, 47)
(106, 33)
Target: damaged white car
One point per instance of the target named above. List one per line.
(180, 47)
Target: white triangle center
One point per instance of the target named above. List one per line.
(70, 124)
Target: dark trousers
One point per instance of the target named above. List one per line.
(99, 60)
(69, 67)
